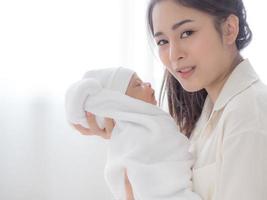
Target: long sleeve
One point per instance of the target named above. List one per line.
(243, 173)
(230, 140)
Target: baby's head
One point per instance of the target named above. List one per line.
(124, 81)
(140, 90)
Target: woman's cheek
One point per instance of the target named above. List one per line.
(164, 56)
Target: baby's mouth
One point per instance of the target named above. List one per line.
(154, 98)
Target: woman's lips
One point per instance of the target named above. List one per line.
(186, 72)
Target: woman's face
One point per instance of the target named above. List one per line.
(141, 90)
(189, 46)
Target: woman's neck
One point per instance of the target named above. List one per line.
(215, 90)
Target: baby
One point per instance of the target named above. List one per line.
(145, 140)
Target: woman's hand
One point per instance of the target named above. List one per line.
(94, 128)
(128, 187)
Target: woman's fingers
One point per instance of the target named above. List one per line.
(87, 131)
(109, 125)
(128, 187)
(92, 122)
(82, 130)
(94, 128)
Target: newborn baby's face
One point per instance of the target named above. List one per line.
(140, 90)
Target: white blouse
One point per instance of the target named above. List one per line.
(230, 141)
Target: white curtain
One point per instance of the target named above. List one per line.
(45, 46)
(256, 17)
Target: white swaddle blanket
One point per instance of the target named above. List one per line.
(145, 141)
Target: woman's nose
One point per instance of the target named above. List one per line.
(175, 52)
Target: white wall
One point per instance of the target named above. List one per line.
(257, 15)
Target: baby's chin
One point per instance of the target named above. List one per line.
(150, 101)
(153, 102)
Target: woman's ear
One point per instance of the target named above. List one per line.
(230, 29)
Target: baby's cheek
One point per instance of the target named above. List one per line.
(148, 98)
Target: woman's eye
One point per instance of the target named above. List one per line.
(186, 34)
(162, 42)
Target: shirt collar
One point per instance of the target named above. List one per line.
(240, 79)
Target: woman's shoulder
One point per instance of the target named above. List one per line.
(255, 96)
(247, 111)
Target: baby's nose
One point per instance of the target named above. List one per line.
(147, 84)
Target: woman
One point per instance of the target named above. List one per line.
(213, 94)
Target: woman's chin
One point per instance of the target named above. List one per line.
(190, 88)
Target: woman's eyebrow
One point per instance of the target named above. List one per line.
(175, 26)
(178, 24)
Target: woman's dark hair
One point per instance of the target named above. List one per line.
(186, 107)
